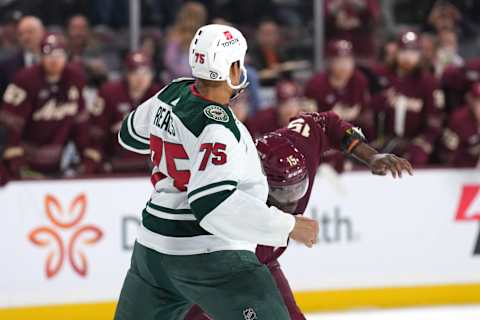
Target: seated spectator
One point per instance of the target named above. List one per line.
(388, 52)
(289, 103)
(460, 145)
(115, 100)
(43, 109)
(30, 32)
(355, 21)
(410, 106)
(444, 16)
(266, 54)
(8, 33)
(191, 16)
(456, 81)
(342, 88)
(429, 50)
(447, 53)
(89, 53)
(150, 46)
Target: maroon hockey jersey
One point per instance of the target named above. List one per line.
(350, 103)
(457, 80)
(461, 139)
(42, 116)
(312, 134)
(411, 109)
(113, 103)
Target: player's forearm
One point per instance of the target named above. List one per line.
(364, 153)
(243, 217)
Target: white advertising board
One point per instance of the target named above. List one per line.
(70, 241)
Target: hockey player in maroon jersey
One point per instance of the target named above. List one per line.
(460, 145)
(410, 105)
(115, 100)
(290, 157)
(43, 109)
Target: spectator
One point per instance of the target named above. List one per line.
(457, 80)
(428, 46)
(388, 52)
(85, 50)
(289, 104)
(355, 21)
(115, 100)
(461, 139)
(43, 109)
(447, 53)
(191, 16)
(342, 88)
(266, 54)
(30, 31)
(150, 46)
(444, 16)
(78, 33)
(8, 34)
(409, 106)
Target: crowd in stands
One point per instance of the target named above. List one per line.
(413, 88)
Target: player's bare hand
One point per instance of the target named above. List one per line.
(305, 231)
(383, 163)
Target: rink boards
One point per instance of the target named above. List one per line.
(382, 243)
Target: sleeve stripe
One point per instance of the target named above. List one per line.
(135, 133)
(130, 148)
(170, 216)
(168, 210)
(172, 228)
(203, 206)
(132, 132)
(227, 185)
(126, 141)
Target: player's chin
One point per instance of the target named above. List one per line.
(289, 207)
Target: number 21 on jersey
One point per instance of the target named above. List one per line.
(300, 126)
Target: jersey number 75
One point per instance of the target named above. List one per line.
(173, 151)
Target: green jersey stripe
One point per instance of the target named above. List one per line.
(203, 206)
(126, 140)
(212, 185)
(134, 132)
(168, 210)
(171, 216)
(172, 228)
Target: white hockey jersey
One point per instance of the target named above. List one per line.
(209, 189)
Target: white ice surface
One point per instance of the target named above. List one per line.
(436, 313)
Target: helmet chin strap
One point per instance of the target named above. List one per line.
(241, 85)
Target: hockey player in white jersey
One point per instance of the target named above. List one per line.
(207, 211)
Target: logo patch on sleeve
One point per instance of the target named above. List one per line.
(216, 113)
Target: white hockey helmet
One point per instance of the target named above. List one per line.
(213, 50)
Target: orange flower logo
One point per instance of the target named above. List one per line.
(60, 249)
